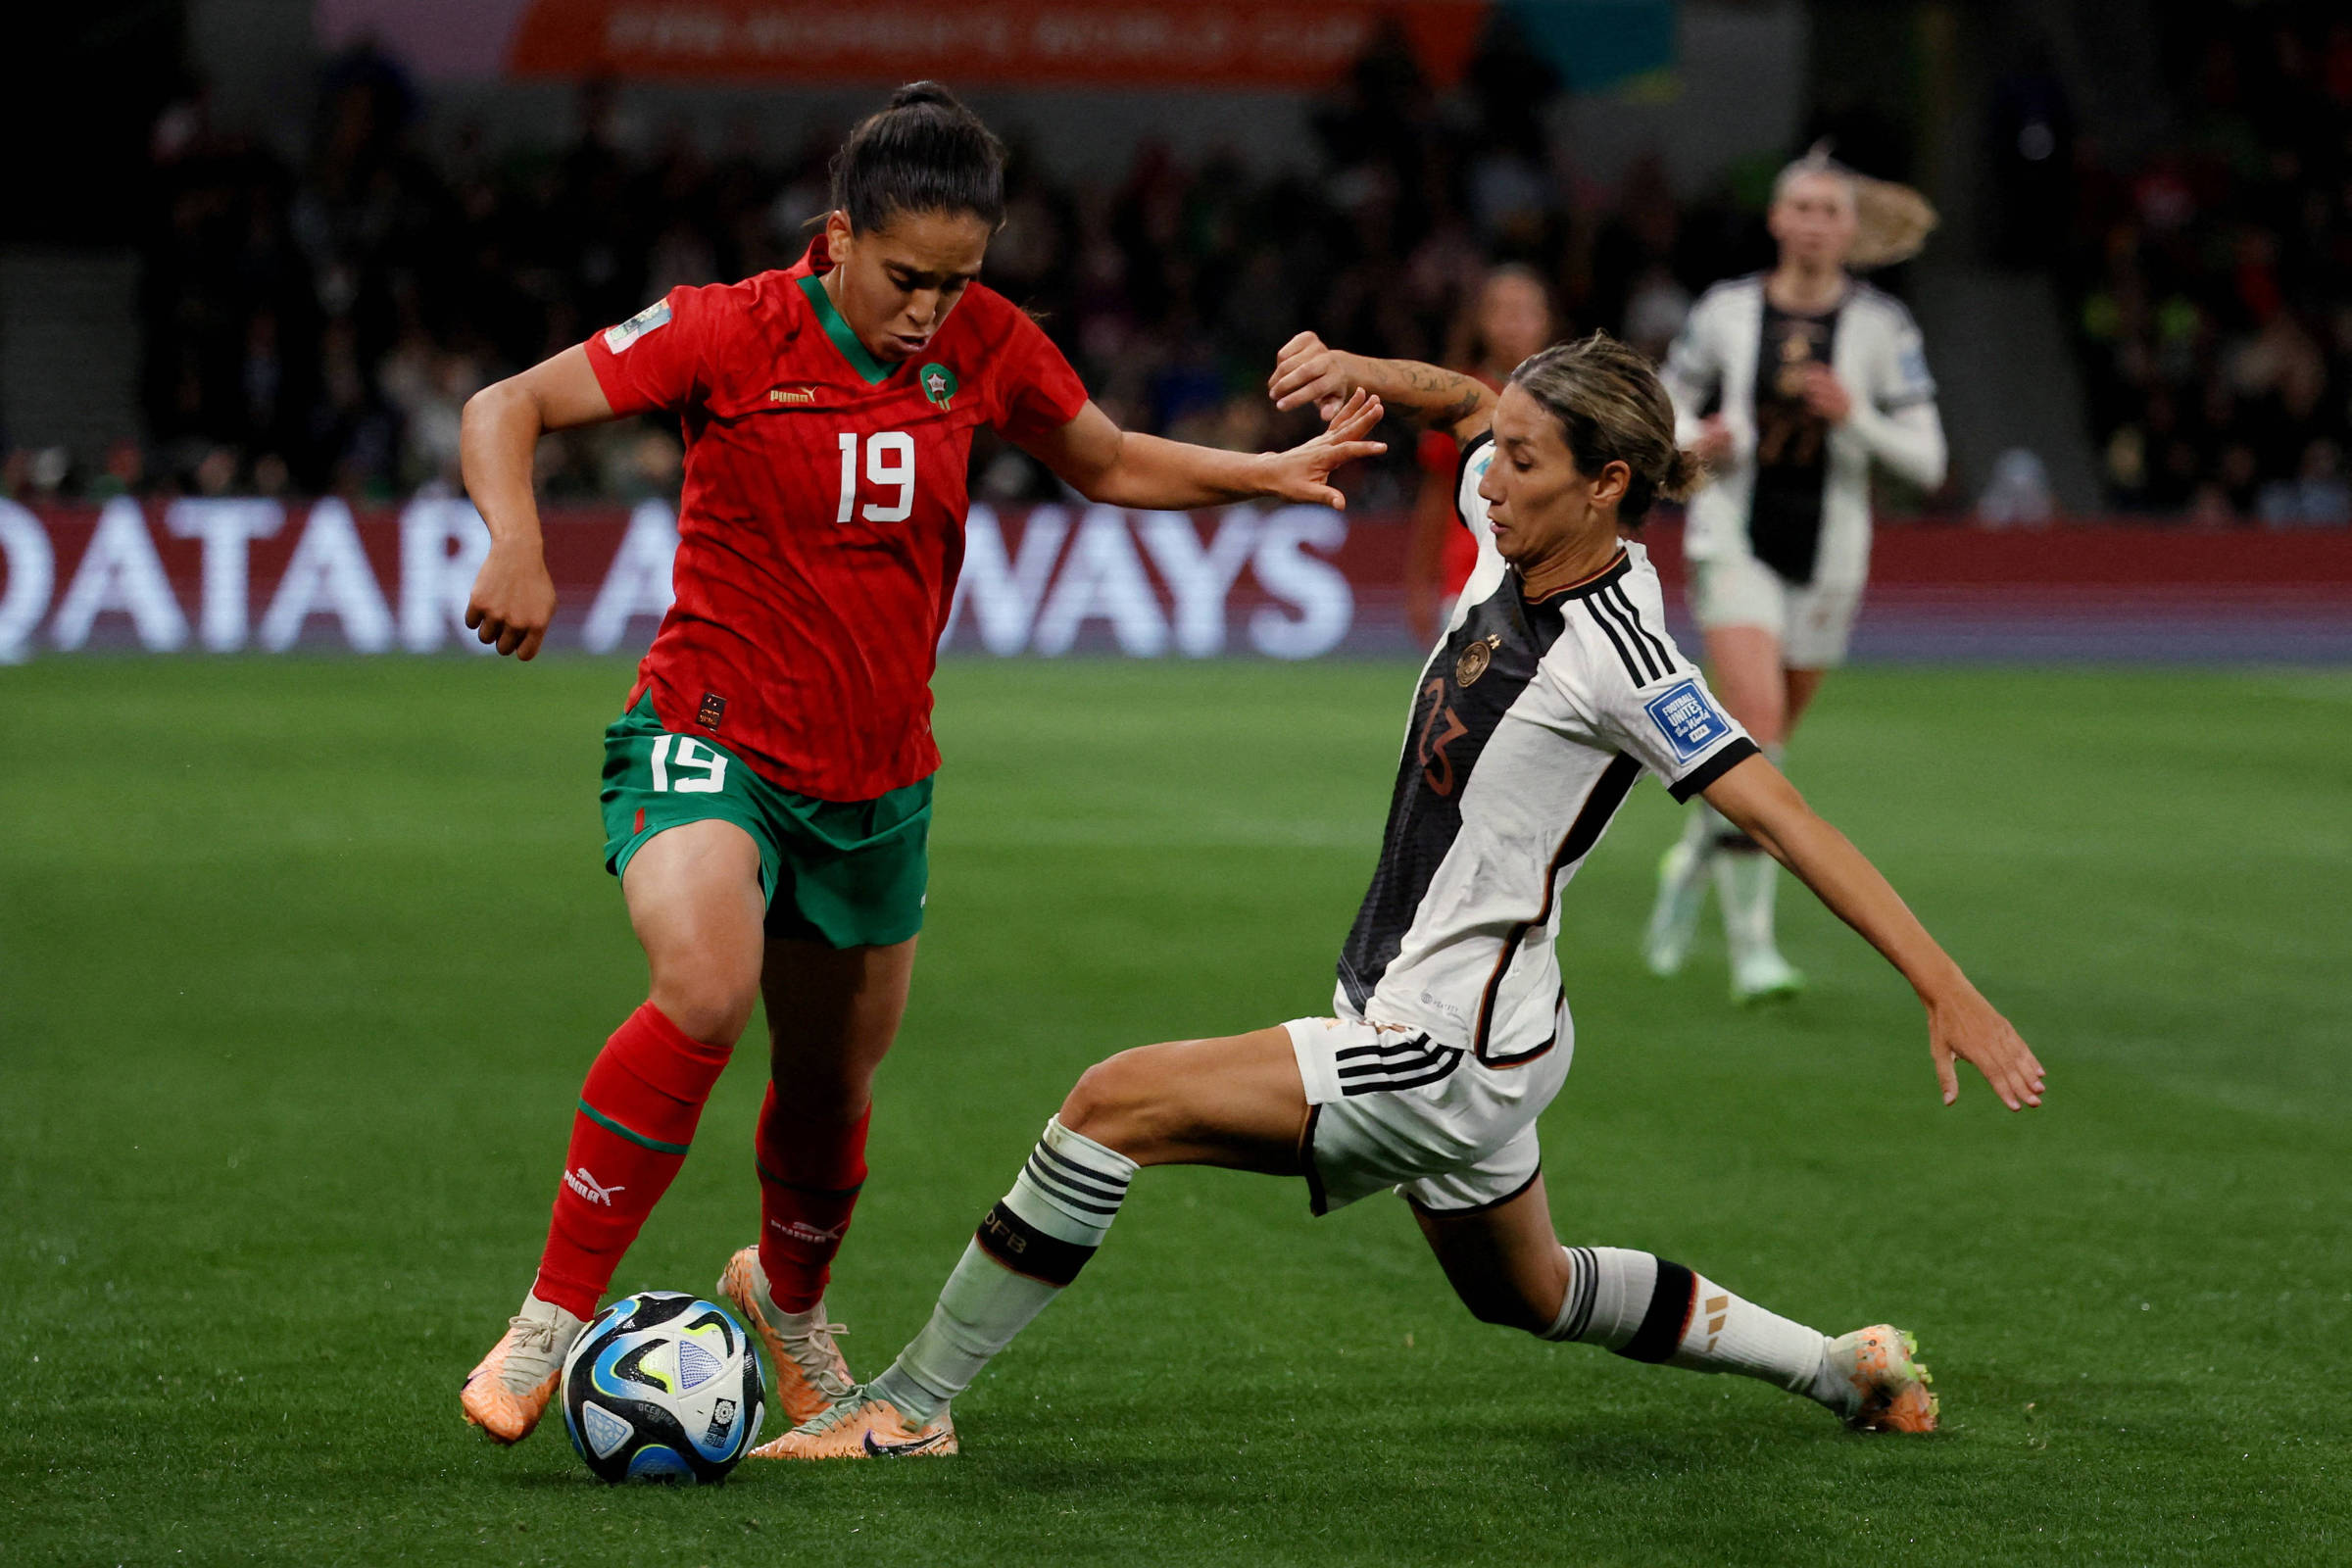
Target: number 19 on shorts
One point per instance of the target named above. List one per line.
(889, 461)
(684, 765)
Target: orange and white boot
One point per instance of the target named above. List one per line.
(812, 1376)
(1891, 1386)
(863, 1426)
(507, 1392)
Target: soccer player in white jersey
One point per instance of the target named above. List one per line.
(1812, 376)
(1552, 690)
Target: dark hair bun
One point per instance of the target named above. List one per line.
(923, 92)
(926, 152)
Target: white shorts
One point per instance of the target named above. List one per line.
(1387, 1106)
(1813, 621)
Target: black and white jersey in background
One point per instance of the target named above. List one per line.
(1795, 492)
(1529, 722)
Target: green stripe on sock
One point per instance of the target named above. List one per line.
(610, 1125)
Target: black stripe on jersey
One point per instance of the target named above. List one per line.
(1616, 619)
(1461, 466)
(1601, 801)
(1027, 1250)
(1713, 769)
(1625, 654)
(1669, 1314)
(1631, 615)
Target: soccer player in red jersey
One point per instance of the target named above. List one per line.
(767, 791)
(1510, 319)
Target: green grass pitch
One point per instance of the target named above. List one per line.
(301, 964)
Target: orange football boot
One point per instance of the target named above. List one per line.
(810, 1374)
(507, 1392)
(862, 1427)
(1891, 1386)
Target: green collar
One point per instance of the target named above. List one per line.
(864, 363)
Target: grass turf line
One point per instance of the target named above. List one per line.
(301, 963)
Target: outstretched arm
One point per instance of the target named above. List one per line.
(1104, 462)
(1310, 371)
(1961, 1023)
(514, 598)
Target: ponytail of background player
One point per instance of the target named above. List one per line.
(767, 791)
(1555, 686)
(1816, 376)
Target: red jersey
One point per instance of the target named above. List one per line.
(1441, 458)
(822, 527)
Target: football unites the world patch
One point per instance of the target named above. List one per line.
(618, 338)
(1690, 722)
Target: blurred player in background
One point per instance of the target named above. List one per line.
(1510, 317)
(1554, 688)
(1790, 384)
(767, 791)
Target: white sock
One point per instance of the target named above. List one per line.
(1647, 1309)
(1745, 880)
(1027, 1248)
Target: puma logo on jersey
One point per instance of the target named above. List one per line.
(588, 1187)
(792, 394)
(802, 1231)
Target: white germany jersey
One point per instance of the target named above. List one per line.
(1795, 491)
(1529, 722)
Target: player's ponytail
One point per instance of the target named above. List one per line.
(926, 152)
(1612, 408)
(1892, 222)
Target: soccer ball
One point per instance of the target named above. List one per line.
(662, 1386)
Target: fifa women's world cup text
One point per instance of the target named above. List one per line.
(768, 787)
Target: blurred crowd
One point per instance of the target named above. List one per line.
(318, 327)
(2213, 316)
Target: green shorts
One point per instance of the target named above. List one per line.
(844, 874)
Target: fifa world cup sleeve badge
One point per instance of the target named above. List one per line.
(714, 710)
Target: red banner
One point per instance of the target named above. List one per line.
(1283, 582)
(1095, 43)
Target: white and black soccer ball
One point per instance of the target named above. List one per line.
(662, 1386)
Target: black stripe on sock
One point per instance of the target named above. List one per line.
(1027, 1250)
(1085, 1174)
(1067, 1192)
(1669, 1313)
(1587, 1284)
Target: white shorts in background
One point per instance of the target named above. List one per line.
(1814, 620)
(1387, 1106)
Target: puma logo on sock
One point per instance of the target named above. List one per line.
(588, 1187)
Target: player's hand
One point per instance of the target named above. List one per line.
(1310, 371)
(1714, 444)
(1825, 395)
(1303, 473)
(514, 599)
(1967, 1028)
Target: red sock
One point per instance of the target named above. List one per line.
(810, 1173)
(637, 1114)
